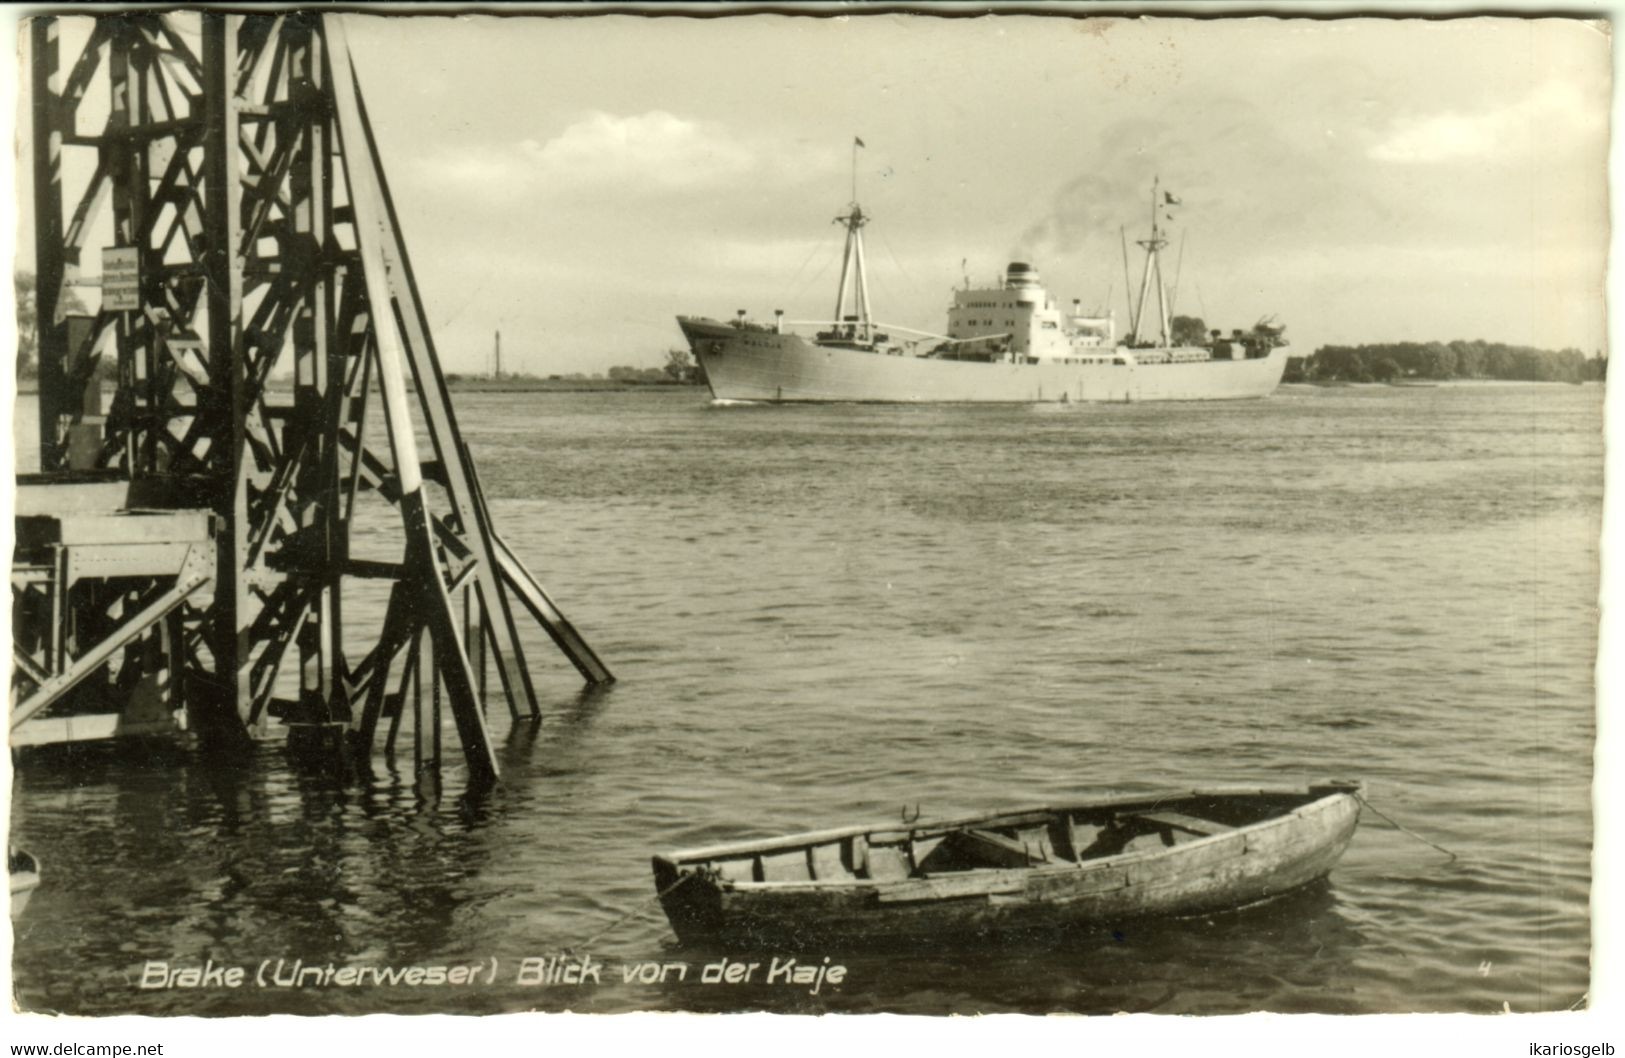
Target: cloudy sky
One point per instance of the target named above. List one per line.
(579, 182)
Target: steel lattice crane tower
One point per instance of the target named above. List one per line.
(251, 226)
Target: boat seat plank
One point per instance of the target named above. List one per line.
(990, 849)
(1063, 838)
(1189, 824)
(1038, 844)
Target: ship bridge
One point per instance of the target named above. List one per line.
(1016, 318)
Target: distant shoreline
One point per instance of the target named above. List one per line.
(30, 386)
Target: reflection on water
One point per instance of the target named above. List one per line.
(819, 615)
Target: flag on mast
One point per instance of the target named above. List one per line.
(1169, 199)
(858, 142)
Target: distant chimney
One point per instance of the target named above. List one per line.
(778, 321)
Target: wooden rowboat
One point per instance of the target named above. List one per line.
(1096, 862)
(23, 869)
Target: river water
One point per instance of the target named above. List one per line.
(819, 615)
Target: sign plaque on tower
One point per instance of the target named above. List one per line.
(121, 278)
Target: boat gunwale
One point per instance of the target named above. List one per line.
(695, 856)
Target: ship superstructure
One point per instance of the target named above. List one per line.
(1019, 320)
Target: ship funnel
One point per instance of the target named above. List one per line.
(1021, 276)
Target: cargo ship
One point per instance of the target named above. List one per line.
(1006, 342)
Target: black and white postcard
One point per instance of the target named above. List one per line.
(817, 511)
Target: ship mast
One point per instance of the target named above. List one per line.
(1153, 268)
(854, 273)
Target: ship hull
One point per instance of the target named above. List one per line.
(758, 365)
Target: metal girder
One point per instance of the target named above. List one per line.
(237, 167)
(193, 576)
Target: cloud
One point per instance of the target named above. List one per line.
(658, 148)
(600, 154)
(1555, 111)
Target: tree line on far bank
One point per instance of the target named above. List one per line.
(1393, 361)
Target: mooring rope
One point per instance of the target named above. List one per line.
(637, 910)
(1403, 829)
